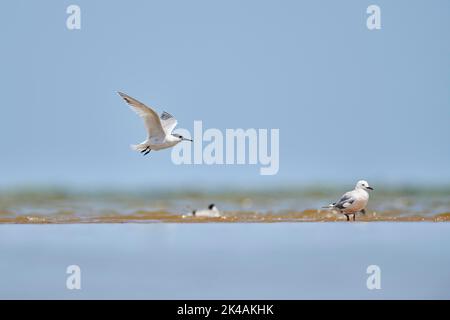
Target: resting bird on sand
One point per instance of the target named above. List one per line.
(353, 201)
(211, 212)
(159, 129)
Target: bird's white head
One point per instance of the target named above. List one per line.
(213, 207)
(363, 184)
(180, 137)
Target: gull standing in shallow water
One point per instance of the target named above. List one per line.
(211, 212)
(353, 201)
(159, 129)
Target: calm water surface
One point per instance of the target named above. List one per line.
(226, 260)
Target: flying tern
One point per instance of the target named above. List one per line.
(159, 128)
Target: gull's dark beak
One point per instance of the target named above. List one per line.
(188, 139)
(370, 188)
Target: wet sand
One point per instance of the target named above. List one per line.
(143, 216)
(226, 260)
(280, 205)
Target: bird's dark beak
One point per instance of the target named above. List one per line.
(370, 188)
(188, 140)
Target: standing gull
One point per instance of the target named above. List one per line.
(159, 129)
(353, 201)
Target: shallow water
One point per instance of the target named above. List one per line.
(124, 250)
(226, 260)
(281, 205)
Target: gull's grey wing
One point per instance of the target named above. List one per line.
(345, 201)
(168, 122)
(151, 119)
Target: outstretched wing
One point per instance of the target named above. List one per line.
(151, 120)
(345, 201)
(168, 122)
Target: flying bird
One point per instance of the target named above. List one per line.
(353, 201)
(159, 128)
(211, 212)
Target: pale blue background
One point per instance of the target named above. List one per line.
(350, 103)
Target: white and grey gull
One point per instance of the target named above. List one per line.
(354, 201)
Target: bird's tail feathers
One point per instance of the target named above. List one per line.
(139, 147)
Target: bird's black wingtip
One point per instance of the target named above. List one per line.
(124, 97)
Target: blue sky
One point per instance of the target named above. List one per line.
(350, 103)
